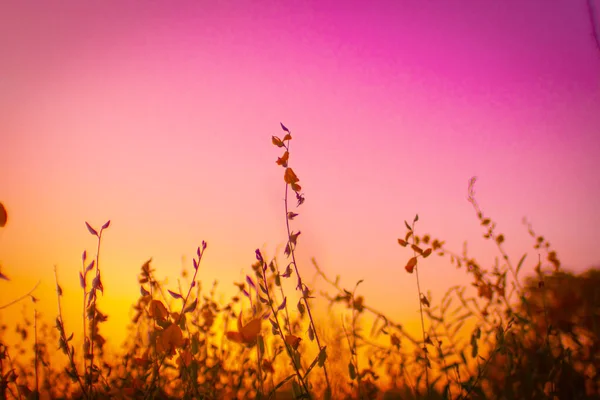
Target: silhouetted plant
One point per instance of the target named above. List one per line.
(502, 337)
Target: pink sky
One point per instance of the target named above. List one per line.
(159, 118)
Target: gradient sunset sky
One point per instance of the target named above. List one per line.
(159, 116)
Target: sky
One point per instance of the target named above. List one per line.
(159, 118)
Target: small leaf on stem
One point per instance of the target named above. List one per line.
(3, 215)
(2, 276)
(191, 307)
(416, 249)
(293, 341)
(175, 295)
(250, 281)
(283, 160)
(410, 266)
(90, 266)
(282, 305)
(300, 199)
(276, 141)
(92, 230)
(322, 356)
(289, 176)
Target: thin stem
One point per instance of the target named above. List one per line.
(162, 360)
(300, 285)
(35, 349)
(84, 315)
(422, 320)
(93, 327)
(372, 310)
(354, 347)
(492, 235)
(21, 298)
(280, 331)
(63, 337)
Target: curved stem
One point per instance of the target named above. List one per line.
(300, 285)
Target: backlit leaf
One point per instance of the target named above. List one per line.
(410, 266)
(290, 177)
(3, 216)
(174, 295)
(170, 339)
(246, 334)
(234, 336)
(284, 128)
(351, 370)
(106, 225)
(301, 308)
(90, 266)
(2, 276)
(427, 253)
(251, 330)
(276, 141)
(97, 284)
(293, 341)
(322, 356)
(282, 305)
(416, 248)
(263, 289)
(283, 160)
(157, 310)
(520, 264)
(300, 198)
(191, 307)
(294, 237)
(92, 230)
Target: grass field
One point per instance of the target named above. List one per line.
(502, 337)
